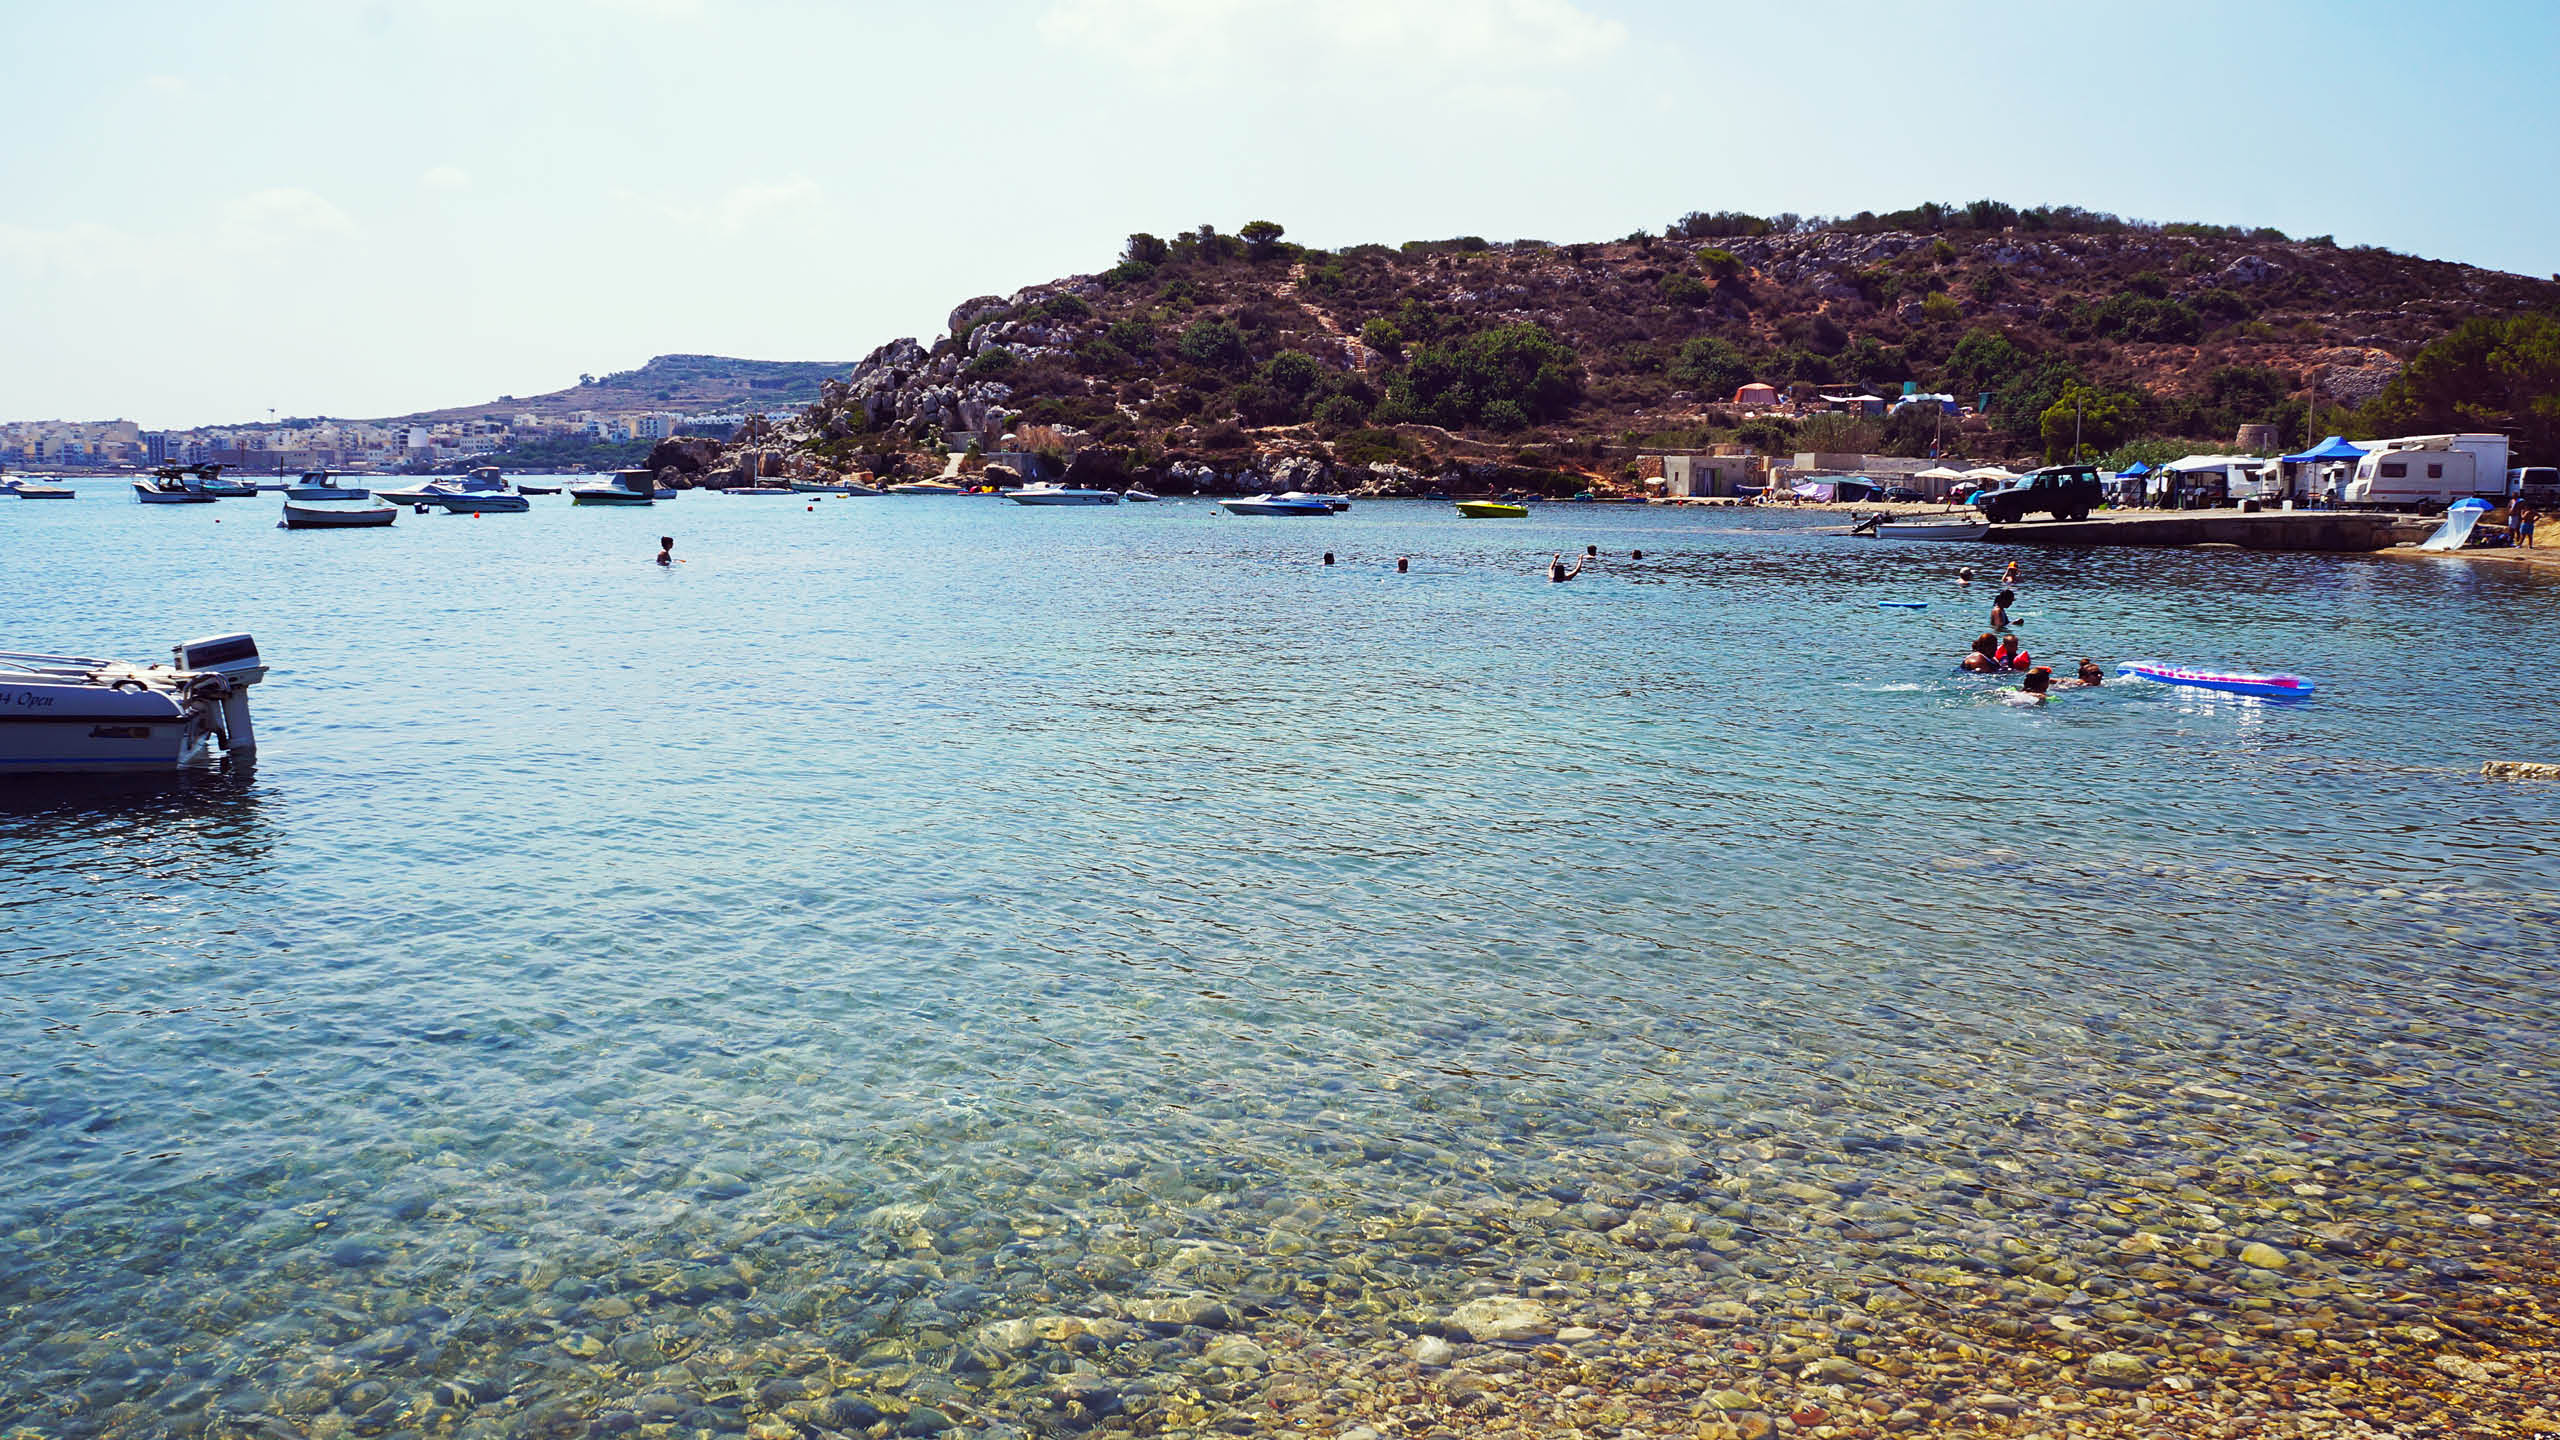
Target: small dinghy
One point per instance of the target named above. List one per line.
(301, 516)
(1932, 530)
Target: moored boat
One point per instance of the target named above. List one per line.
(1492, 510)
(486, 502)
(318, 486)
(303, 515)
(69, 714)
(927, 487)
(169, 491)
(1051, 493)
(36, 490)
(1292, 504)
(1932, 530)
(628, 487)
(833, 487)
(1136, 496)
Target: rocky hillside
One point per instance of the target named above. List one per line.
(691, 383)
(1207, 358)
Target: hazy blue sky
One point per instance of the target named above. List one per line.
(214, 207)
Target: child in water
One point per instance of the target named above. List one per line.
(2090, 674)
(666, 550)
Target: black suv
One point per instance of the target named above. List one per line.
(2066, 492)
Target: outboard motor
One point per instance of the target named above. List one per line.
(235, 659)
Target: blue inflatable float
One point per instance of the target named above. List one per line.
(2271, 687)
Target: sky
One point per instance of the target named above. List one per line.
(215, 209)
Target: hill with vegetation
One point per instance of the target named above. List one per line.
(1210, 354)
(694, 384)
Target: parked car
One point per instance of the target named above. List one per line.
(2066, 492)
(1903, 494)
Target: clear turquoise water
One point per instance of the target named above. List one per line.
(1064, 888)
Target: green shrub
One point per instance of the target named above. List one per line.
(1941, 308)
(1451, 383)
(1137, 337)
(1720, 263)
(1216, 344)
(1065, 307)
(993, 362)
(1382, 335)
(1261, 239)
(1505, 416)
(1711, 367)
(1341, 412)
(1682, 288)
(1293, 372)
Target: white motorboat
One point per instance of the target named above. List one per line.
(486, 502)
(1335, 502)
(164, 490)
(36, 490)
(1294, 503)
(926, 487)
(628, 487)
(1932, 530)
(305, 515)
(317, 486)
(1136, 496)
(71, 714)
(1049, 492)
(834, 487)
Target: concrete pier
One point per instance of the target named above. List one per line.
(2259, 530)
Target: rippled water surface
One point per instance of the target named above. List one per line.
(725, 998)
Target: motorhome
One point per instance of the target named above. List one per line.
(2429, 471)
(2211, 480)
(2535, 484)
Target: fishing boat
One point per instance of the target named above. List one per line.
(1294, 504)
(72, 714)
(36, 490)
(1492, 510)
(1049, 492)
(628, 487)
(926, 487)
(1932, 530)
(300, 515)
(317, 486)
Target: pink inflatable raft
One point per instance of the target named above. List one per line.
(2271, 687)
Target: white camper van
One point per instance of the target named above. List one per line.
(2427, 471)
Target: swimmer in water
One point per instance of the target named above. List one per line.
(1979, 659)
(1964, 575)
(1557, 574)
(1328, 557)
(1400, 564)
(666, 550)
(2038, 681)
(2090, 674)
(2010, 576)
(1999, 615)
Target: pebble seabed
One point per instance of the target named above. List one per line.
(2299, 1224)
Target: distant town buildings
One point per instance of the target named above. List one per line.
(333, 444)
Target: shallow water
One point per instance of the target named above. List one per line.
(913, 914)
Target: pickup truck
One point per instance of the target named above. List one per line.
(2066, 492)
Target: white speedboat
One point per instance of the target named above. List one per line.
(833, 487)
(305, 515)
(165, 490)
(71, 714)
(486, 502)
(927, 487)
(1047, 492)
(1290, 504)
(1932, 530)
(317, 486)
(1136, 496)
(628, 487)
(1333, 502)
(35, 490)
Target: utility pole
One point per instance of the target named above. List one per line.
(2075, 429)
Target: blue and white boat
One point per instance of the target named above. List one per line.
(317, 486)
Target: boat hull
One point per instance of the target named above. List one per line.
(483, 504)
(326, 492)
(1932, 532)
(87, 729)
(1492, 510)
(1092, 497)
(311, 517)
(1275, 508)
(610, 497)
(150, 495)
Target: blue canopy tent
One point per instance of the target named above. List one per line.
(2300, 471)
